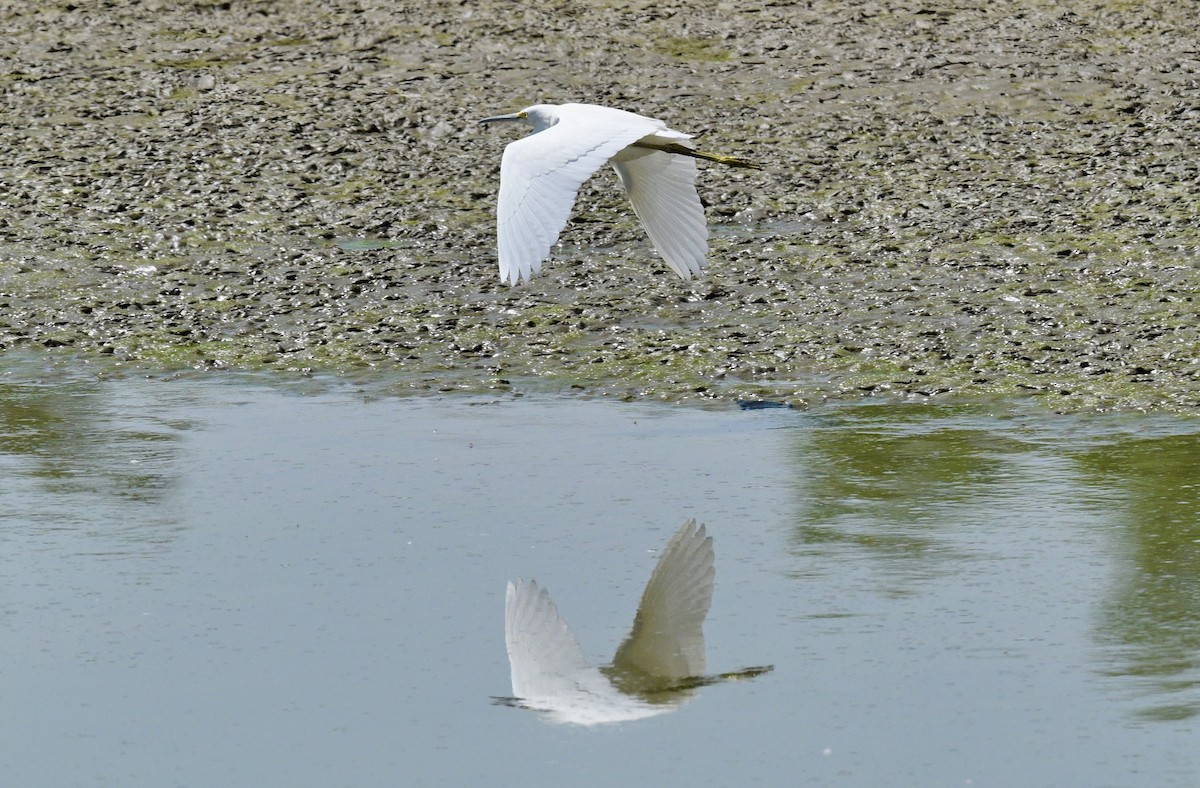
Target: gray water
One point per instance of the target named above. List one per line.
(236, 581)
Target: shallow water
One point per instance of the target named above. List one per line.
(239, 581)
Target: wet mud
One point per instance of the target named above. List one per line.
(957, 200)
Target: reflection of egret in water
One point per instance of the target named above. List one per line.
(656, 669)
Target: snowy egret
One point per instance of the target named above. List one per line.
(657, 667)
(540, 174)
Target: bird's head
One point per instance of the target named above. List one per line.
(540, 116)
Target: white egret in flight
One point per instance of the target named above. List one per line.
(656, 669)
(541, 173)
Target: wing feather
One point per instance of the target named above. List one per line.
(540, 174)
(667, 640)
(662, 188)
(543, 654)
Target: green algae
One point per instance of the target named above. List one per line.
(692, 49)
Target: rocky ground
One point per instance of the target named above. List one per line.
(966, 199)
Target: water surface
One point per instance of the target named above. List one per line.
(238, 581)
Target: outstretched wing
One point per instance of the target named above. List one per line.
(544, 655)
(667, 640)
(662, 188)
(540, 174)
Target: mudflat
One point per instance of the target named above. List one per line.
(970, 200)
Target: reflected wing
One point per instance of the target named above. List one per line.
(667, 640)
(540, 174)
(543, 654)
(662, 188)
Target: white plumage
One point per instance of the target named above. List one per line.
(649, 673)
(540, 175)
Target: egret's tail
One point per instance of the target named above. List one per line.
(732, 161)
